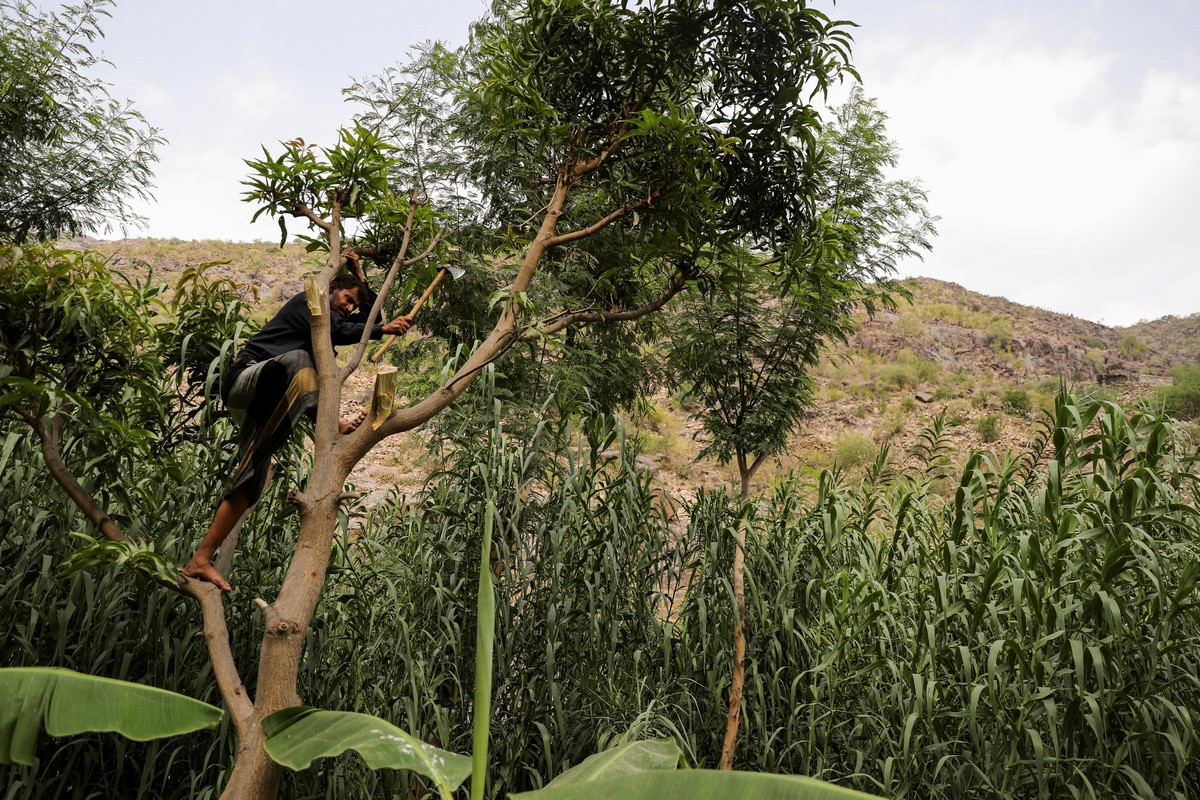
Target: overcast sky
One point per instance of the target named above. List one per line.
(1059, 142)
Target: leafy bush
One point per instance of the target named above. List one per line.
(909, 326)
(999, 334)
(1131, 347)
(956, 412)
(907, 371)
(1182, 398)
(899, 376)
(1016, 401)
(989, 428)
(852, 450)
(889, 428)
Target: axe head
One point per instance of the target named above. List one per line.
(455, 272)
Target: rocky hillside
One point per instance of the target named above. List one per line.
(956, 327)
(985, 363)
(1171, 341)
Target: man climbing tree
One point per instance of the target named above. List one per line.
(600, 157)
(271, 384)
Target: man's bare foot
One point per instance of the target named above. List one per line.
(348, 425)
(203, 570)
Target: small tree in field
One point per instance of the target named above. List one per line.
(602, 156)
(747, 341)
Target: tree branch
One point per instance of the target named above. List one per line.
(595, 227)
(591, 165)
(206, 595)
(366, 251)
(302, 210)
(588, 316)
(398, 262)
(497, 342)
(604, 222)
(437, 238)
(48, 432)
(220, 653)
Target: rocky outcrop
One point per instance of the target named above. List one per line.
(1030, 357)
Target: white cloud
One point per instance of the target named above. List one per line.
(1054, 187)
(152, 97)
(255, 99)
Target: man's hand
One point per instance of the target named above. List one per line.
(354, 263)
(397, 327)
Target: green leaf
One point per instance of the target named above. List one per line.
(66, 703)
(486, 634)
(298, 736)
(696, 784)
(626, 759)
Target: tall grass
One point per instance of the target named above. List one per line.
(109, 622)
(1037, 635)
(582, 560)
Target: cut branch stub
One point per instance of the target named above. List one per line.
(383, 399)
(315, 296)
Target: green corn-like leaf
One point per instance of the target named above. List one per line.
(483, 659)
(298, 736)
(66, 703)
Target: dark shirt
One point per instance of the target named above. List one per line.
(291, 329)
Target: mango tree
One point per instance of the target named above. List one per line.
(603, 156)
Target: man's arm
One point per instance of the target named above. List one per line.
(344, 332)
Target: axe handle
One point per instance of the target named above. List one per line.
(437, 279)
(428, 291)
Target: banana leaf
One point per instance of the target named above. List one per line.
(695, 784)
(298, 736)
(65, 703)
(626, 759)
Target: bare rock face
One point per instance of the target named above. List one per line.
(1118, 373)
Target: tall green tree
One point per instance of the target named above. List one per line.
(74, 156)
(601, 154)
(746, 342)
(746, 338)
(674, 128)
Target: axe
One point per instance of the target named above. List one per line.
(453, 272)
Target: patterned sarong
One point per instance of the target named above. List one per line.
(267, 400)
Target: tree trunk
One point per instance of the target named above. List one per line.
(255, 775)
(737, 680)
